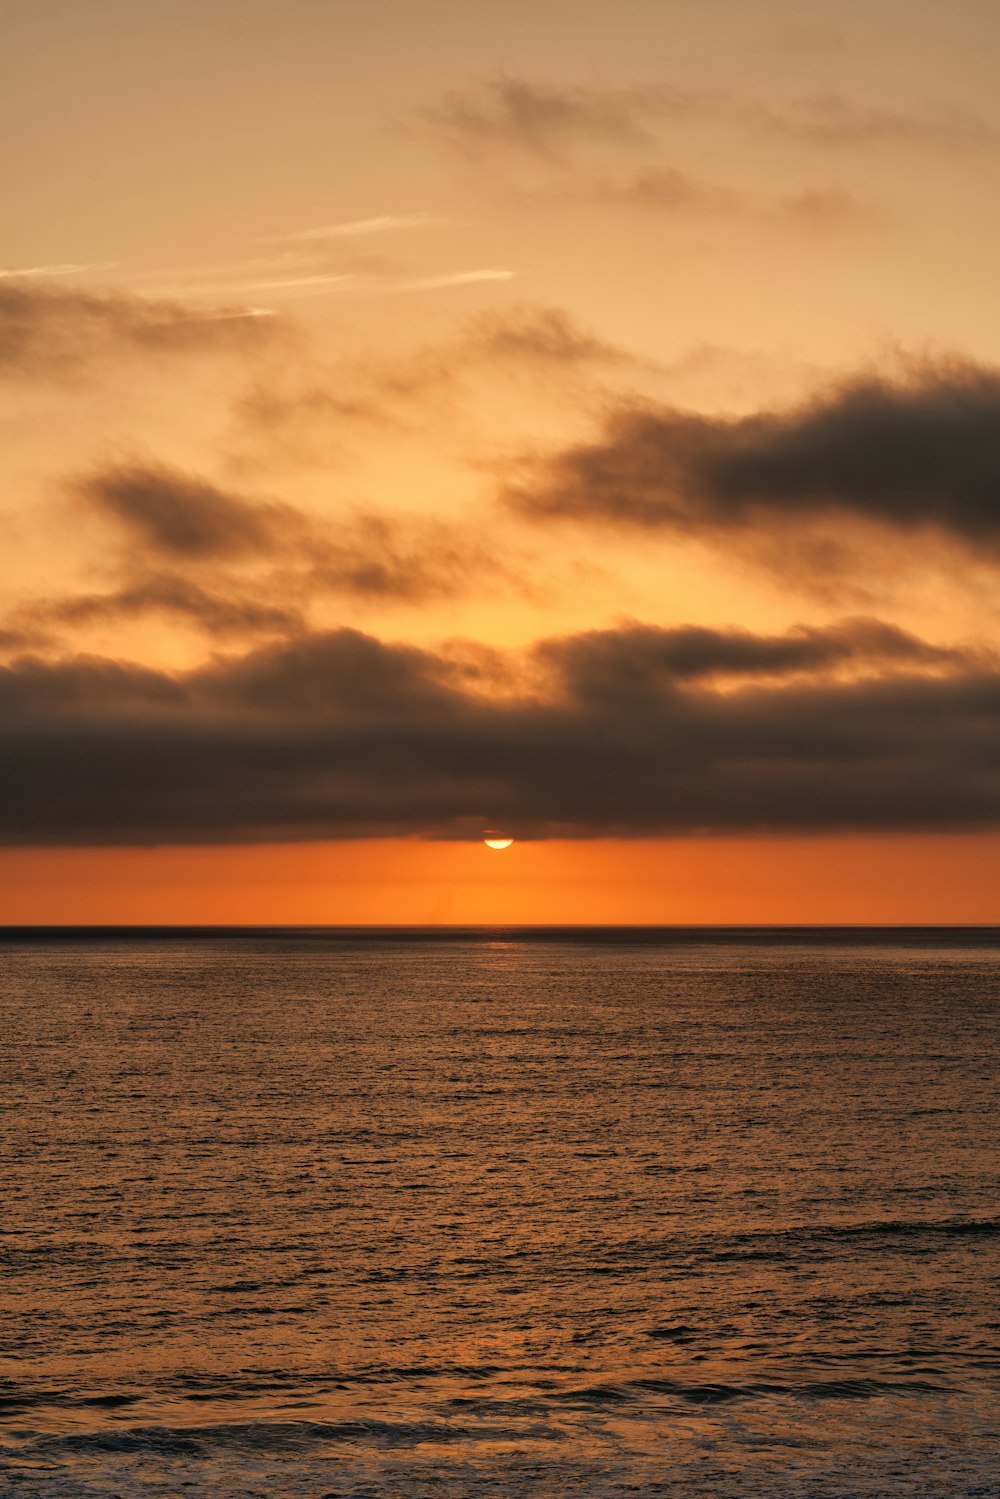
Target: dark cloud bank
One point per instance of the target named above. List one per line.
(921, 454)
(633, 731)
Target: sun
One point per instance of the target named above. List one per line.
(498, 842)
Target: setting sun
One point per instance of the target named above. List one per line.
(498, 842)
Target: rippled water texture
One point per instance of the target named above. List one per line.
(356, 1215)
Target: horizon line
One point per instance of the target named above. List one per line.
(10, 929)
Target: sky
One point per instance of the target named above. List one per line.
(573, 421)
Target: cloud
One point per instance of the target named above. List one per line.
(537, 118)
(832, 119)
(167, 515)
(610, 661)
(665, 190)
(402, 560)
(309, 285)
(354, 228)
(325, 261)
(218, 613)
(49, 332)
(66, 268)
(306, 418)
(230, 565)
(553, 121)
(823, 208)
(376, 561)
(14, 640)
(340, 734)
(369, 276)
(916, 455)
(172, 515)
(585, 139)
(544, 336)
(452, 278)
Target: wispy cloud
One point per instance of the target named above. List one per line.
(665, 190)
(560, 121)
(538, 118)
(453, 278)
(833, 119)
(52, 332)
(356, 284)
(545, 337)
(67, 268)
(316, 262)
(301, 412)
(356, 228)
(624, 147)
(305, 285)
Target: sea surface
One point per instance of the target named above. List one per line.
(500, 1213)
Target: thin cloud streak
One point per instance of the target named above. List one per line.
(455, 278)
(383, 224)
(348, 284)
(33, 272)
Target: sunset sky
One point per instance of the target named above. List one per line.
(572, 420)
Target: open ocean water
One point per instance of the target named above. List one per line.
(500, 1213)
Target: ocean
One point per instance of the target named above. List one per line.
(495, 1213)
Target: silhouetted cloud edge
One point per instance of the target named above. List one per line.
(916, 453)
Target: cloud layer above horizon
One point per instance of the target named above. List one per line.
(636, 731)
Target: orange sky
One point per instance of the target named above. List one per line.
(844, 879)
(391, 319)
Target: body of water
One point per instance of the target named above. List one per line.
(500, 1213)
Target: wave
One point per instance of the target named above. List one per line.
(718, 1393)
(901, 1228)
(197, 1441)
(469, 1418)
(801, 1241)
